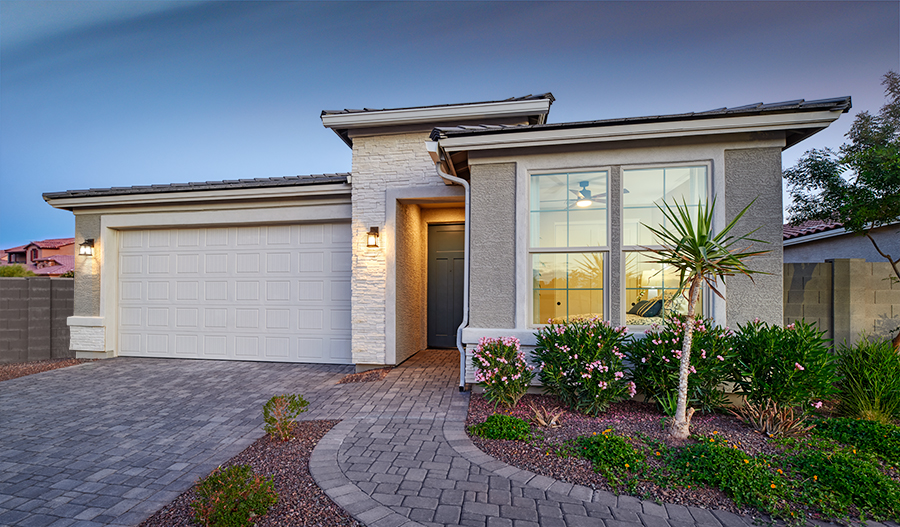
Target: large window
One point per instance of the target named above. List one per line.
(650, 288)
(568, 244)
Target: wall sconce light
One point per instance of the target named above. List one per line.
(87, 247)
(372, 237)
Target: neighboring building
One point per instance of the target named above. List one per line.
(52, 258)
(457, 222)
(818, 241)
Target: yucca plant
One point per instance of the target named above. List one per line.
(700, 256)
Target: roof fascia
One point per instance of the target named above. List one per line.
(235, 194)
(627, 132)
(493, 110)
(815, 236)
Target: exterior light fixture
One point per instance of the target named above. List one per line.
(87, 247)
(372, 237)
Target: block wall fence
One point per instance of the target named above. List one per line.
(33, 314)
(844, 297)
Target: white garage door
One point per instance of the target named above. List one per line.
(267, 293)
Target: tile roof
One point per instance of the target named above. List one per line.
(64, 264)
(19, 249)
(837, 103)
(547, 95)
(55, 243)
(285, 181)
(809, 227)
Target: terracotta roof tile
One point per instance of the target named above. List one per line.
(809, 227)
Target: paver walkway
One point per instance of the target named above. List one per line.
(420, 468)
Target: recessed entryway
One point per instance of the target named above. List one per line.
(446, 261)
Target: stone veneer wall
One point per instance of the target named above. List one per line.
(379, 163)
(33, 313)
(844, 297)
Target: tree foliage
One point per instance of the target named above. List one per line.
(15, 271)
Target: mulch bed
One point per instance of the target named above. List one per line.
(300, 501)
(366, 376)
(627, 419)
(21, 369)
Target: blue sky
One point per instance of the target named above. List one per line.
(118, 93)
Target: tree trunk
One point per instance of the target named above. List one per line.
(681, 424)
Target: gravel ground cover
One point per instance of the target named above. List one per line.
(629, 419)
(300, 501)
(366, 376)
(21, 369)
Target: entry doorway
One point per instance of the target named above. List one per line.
(446, 261)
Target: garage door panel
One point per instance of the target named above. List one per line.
(271, 293)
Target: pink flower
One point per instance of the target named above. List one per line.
(798, 367)
(632, 389)
(720, 357)
(817, 405)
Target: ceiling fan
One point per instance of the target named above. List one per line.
(584, 198)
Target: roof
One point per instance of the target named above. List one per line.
(19, 249)
(547, 95)
(809, 227)
(285, 181)
(54, 243)
(64, 264)
(842, 104)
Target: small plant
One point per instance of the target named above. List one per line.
(544, 417)
(613, 457)
(280, 412)
(502, 370)
(499, 426)
(746, 479)
(15, 271)
(868, 436)
(581, 364)
(790, 365)
(870, 380)
(232, 497)
(770, 420)
(656, 360)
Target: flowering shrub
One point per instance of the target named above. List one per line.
(656, 359)
(502, 370)
(581, 364)
(790, 365)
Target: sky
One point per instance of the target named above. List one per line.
(96, 94)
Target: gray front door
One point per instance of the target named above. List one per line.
(446, 258)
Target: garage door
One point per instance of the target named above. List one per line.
(267, 293)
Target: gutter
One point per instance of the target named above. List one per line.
(434, 151)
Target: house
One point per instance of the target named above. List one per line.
(53, 258)
(817, 241)
(456, 222)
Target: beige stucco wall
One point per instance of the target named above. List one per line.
(755, 173)
(380, 163)
(845, 297)
(411, 289)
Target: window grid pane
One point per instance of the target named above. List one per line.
(647, 280)
(567, 285)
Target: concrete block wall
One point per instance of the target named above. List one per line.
(33, 313)
(845, 297)
(380, 163)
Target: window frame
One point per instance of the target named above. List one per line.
(604, 250)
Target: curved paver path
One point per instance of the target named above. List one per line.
(419, 468)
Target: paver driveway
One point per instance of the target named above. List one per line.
(111, 442)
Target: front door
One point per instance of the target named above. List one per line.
(446, 260)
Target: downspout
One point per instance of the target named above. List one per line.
(433, 148)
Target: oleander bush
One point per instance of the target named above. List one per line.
(869, 386)
(500, 426)
(581, 364)
(656, 360)
(232, 497)
(502, 369)
(280, 412)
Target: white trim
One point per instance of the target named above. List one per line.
(656, 130)
(437, 114)
(296, 191)
(815, 236)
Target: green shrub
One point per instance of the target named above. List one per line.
(746, 479)
(789, 366)
(499, 426)
(870, 380)
(502, 370)
(848, 478)
(613, 457)
(868, 436)
(581, 364)
(15, 271)
(280, 412)
(656, 360)
(232, 497)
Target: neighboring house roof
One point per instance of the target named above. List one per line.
(547, 95)
(842, 104)
(285, 181)
(809, 227)
(55, 243)
(3, 256)
(19, 249)
(63, 264)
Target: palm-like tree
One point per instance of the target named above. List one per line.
(700, 257)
